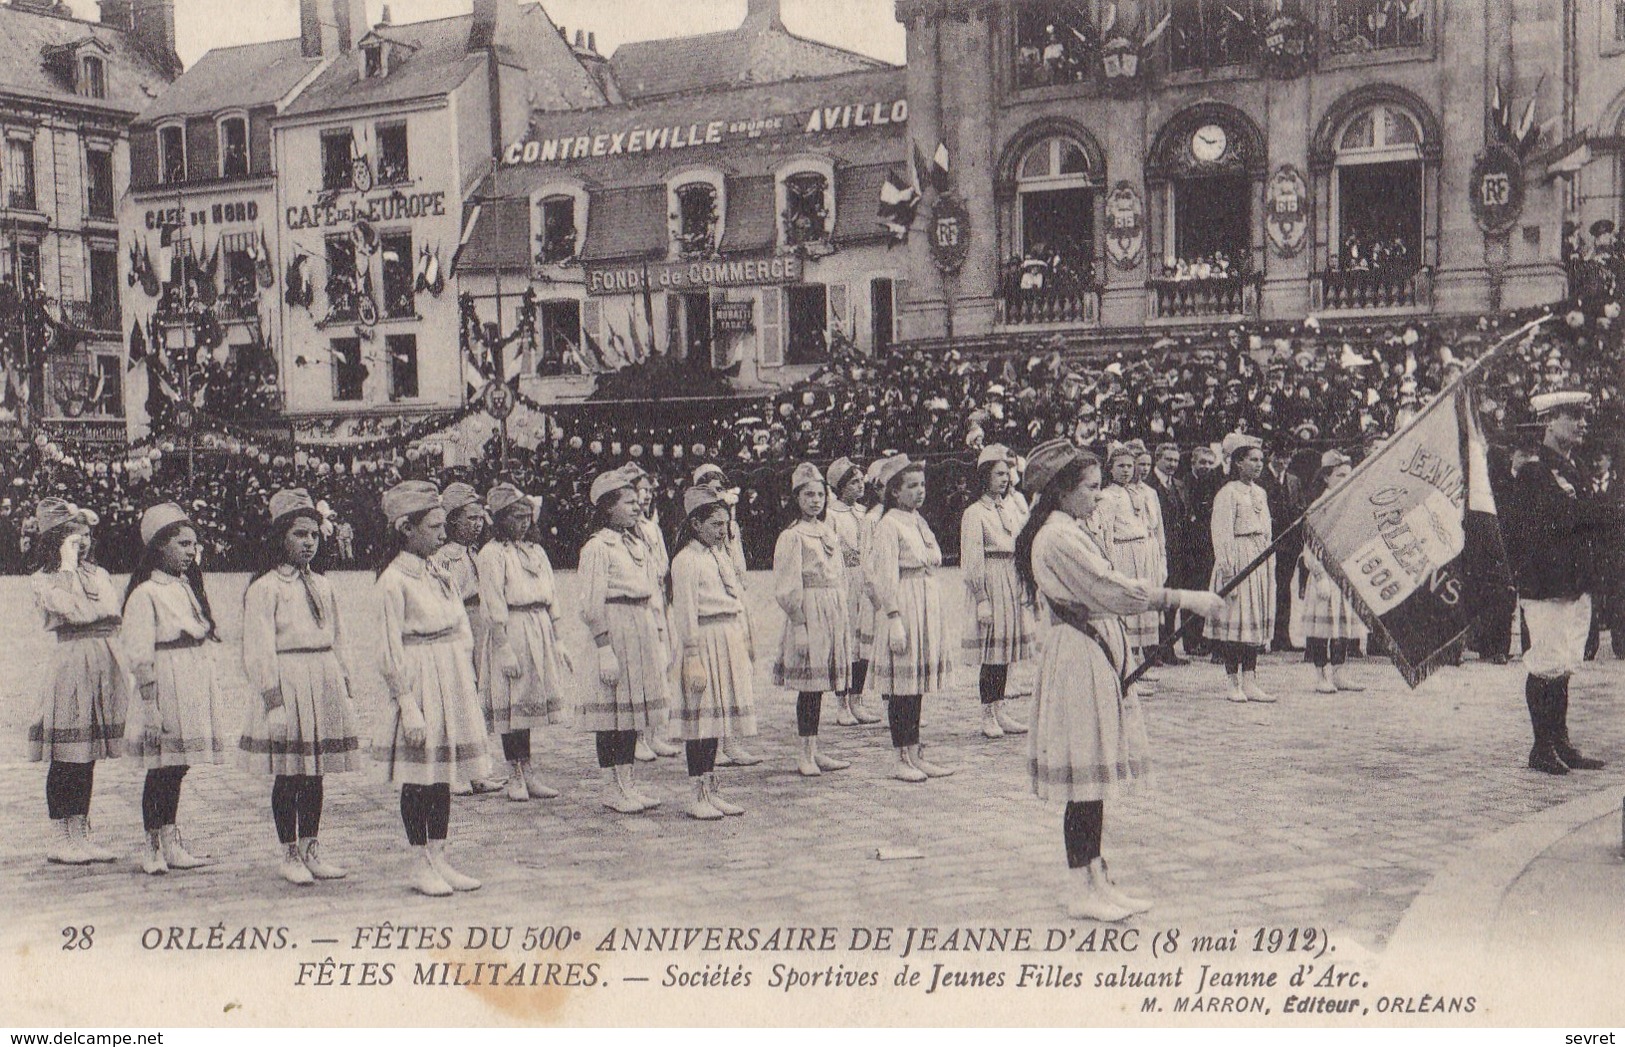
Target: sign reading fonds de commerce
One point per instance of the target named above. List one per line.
(695, 276)
(618, 141)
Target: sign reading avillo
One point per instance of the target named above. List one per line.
(713, 132)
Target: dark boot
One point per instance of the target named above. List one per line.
(1543, 756)
(1559, 689)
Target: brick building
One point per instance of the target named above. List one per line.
(69, 90)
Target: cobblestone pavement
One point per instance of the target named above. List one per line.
(1321, 811)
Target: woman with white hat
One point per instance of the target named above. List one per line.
(301, 722)
(1330, 624)
(999, 632)
(1088, 741)
(911, 657)
(434, 734)
(809, 582)
(466, 520)
(711, 629)
(845, 514)
(653, 744)
(1241, 530)
(1123, 521)
(86, 684)
(712, 477)
(523, 667)
(630, 690)
(181, 719)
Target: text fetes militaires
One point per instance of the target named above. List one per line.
(712, 132)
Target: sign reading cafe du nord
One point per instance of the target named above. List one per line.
(697, 276)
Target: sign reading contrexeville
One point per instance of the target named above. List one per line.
(1412, 537)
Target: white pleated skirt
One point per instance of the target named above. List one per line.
(827, 665)
(1088, 738)
(1008, 638)
(727, 709)
(926, 661)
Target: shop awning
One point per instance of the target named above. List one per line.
(752, 224)
(857, 202)
(500, 238)
(626, 223)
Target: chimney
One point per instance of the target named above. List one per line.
(493, 21)
(592, 42)
(761, 15)
(116, 14)
(385, 19)
(581, 38)
(317, 34)
(350, 16)
(153, 23)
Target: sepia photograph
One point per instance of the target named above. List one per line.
(811, 513)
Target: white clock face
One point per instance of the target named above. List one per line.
(1209, 143)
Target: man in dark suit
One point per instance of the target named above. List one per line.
(1557, 520)
(1285, 492)
(1206, 479)
(1173, 491)
(1608, 598)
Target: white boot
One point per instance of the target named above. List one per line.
(1342, 682)
(826, 762)
(1103, 882)
(176, 855)
(318, 868)
(1235, 693)
(87, 842)
(616, 797)
(734, 754)
(906, 771)
(844, 716)
(65, 849)
(990, 722)
(664, 748)
(534, 785)
(1323, 680)
(701, 808)
(516, 783)
(643, 752)
(1009, 724)
(647, 800)
(717, 800)
(864, 715)
(807, 763)
(426, 879)
(293, 867)
(1255, 693)
(1085, 901)
(152, 855)
(931, 770)
(455, 880)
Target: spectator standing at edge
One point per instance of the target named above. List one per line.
(1609, 595)
(1284, 489)
(1173, 495)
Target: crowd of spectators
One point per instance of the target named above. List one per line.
(1310, 390)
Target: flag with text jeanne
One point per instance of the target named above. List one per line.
(1411, 538)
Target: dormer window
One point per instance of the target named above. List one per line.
(806, 208)
(234, 147)
(696, 219)
(557, 241)
(372, 58)
(172, 153)
(92, 77)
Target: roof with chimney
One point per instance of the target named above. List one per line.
(39, 51)
(235, 78)
(760, 51)
(437, 58)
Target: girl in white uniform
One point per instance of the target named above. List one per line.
(809, 582)
(1088, 740)
(466, 521)
(999, 632)
(653, 743)
(301, 722)
(846, 516)
(1330, 624)
(1242, 530)
(1125, 519)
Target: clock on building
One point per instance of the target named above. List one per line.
(1209, 143)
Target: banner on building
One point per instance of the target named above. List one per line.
(1411, 538)
(693, 276)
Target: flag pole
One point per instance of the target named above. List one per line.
(1258, 561)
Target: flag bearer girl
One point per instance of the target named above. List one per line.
(1330, 624)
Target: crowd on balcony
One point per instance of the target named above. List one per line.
(1364, 252)
(1215, 266)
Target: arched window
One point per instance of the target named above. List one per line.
(233, 147)
(1055, 216)
(696, 223)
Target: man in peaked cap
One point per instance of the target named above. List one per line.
(1557, 519)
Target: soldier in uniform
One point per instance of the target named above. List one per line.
(1557, 519)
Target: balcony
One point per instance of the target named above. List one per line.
(1078, 306)
(98, 314)
(1369, 290)
(1227, 296)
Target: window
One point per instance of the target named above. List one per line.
(343, 286)
(349, 374)
(92, 77)
(394, 165)
(396, 249)
(696, 219)
(806, 211)
(1372, 25)
(1055, 214)
(25, 266)
(882, 315)
(403, 366)
(808, 319)
(239, 296)
(557, 240)
(373, 57)
(1376, 240)
(561, 336)
(337, 154)
(104, 304)
(1054, 44)
(234, 147)
(1207, 34)
(172, 153)
(688, 328)
(20, 174)
(99, 182)
(109, 399)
